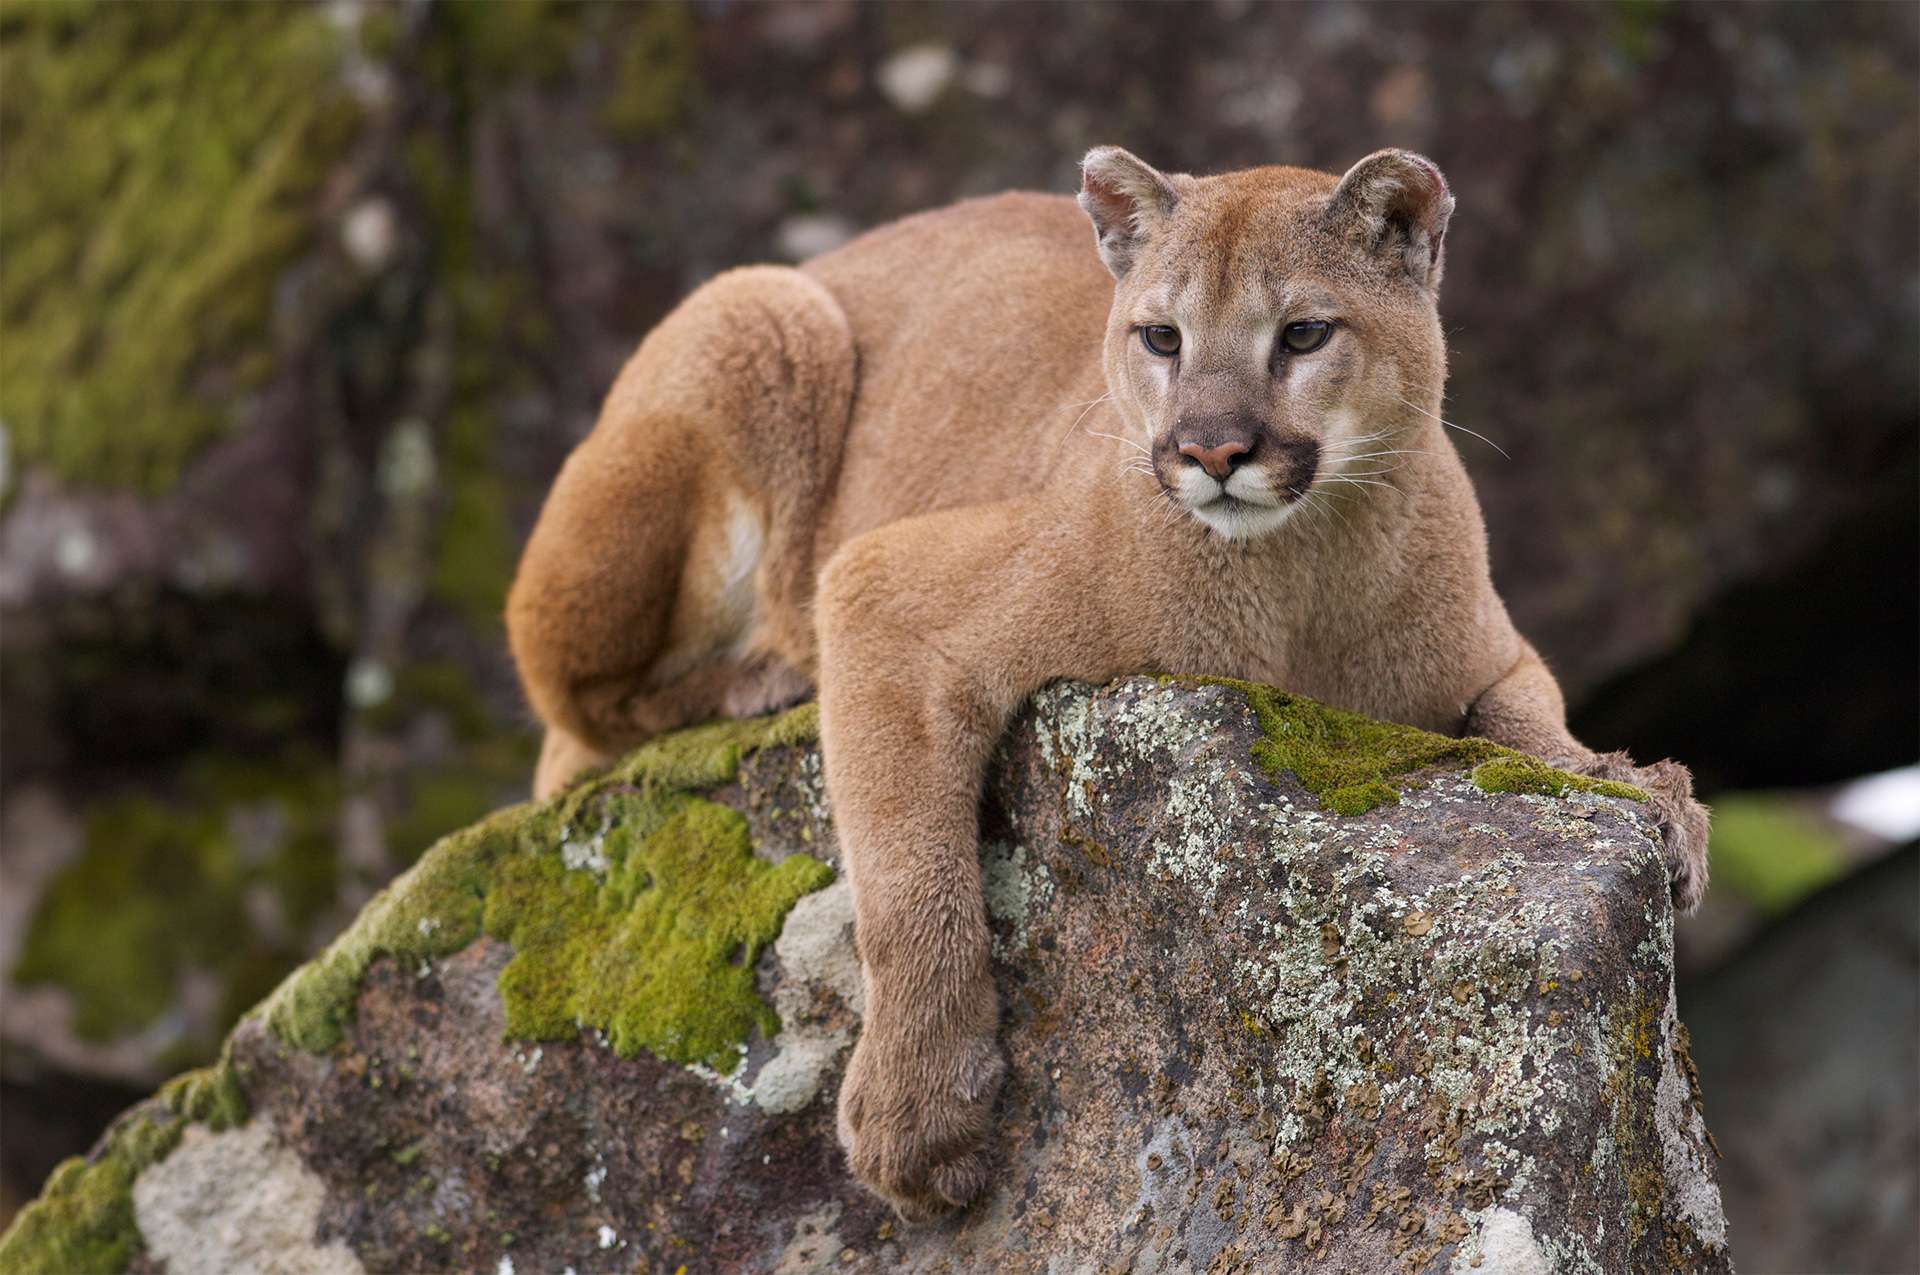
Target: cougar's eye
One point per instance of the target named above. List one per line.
(1161, 340)
(1305, 338)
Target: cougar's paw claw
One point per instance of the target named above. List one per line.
(914, 1119)
(1683, 826)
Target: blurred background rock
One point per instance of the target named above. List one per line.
(301, 306)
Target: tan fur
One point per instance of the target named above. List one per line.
(936, 469)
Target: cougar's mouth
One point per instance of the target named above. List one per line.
(1256, 489)
(1240, 510)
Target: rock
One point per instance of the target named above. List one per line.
(1718, 203)
(914, 78)
(1246, 1033)
(1807, 1043)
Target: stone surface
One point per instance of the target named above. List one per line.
(1245, 1034)
(237, 1200)
(1810, 1046)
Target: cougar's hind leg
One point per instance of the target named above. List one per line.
(667, 578)
(562, 760)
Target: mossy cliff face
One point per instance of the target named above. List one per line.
(223, 884)
(243, 420)
(1246, 1032)
(161, 163)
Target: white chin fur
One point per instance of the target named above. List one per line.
(1249, 515)
(1238, 520)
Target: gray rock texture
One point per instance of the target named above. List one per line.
(1245, 1034)
(1810, 1045)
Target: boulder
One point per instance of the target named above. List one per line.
(1284, 989)
(1810, 1042)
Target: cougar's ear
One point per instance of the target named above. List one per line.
(1129, 201)
(1395, 204)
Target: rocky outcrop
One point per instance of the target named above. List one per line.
(1283, 989)
(281, 386)
(1810, 1043)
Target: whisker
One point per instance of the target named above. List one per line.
(1450, 425)
(1361, 440)
(1397, 451)
(1363, 482)
(1094, 433)
(1085, 407)
(1324, 502)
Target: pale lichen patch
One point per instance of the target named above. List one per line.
(816, 956)
(1502, 1243)
(196, 1223)
(1013, 886)
(1683, 1142)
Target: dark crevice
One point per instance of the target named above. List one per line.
(1806, 675)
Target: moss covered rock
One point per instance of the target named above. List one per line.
(161, 163)
(1247, 1031)
(179, 911)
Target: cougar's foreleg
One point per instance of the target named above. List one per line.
(932, 632)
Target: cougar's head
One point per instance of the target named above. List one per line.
(1269, 325)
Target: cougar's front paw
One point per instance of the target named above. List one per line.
(1683, 825)
(915, 1111)
(1682, 820)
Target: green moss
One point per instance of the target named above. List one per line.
(1517, 772)
(651, 940)
(658, 71)
(710, 754)
(1346, 760)
(209, 1095)
(161, 163)
(1772, 851)
(660, 955)
(1357, 799)
(83, 1221)
(473, 562)
(518, 40)
(160, 888)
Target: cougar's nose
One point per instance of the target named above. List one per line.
(1218, 459)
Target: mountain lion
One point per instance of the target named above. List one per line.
(956, 459)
